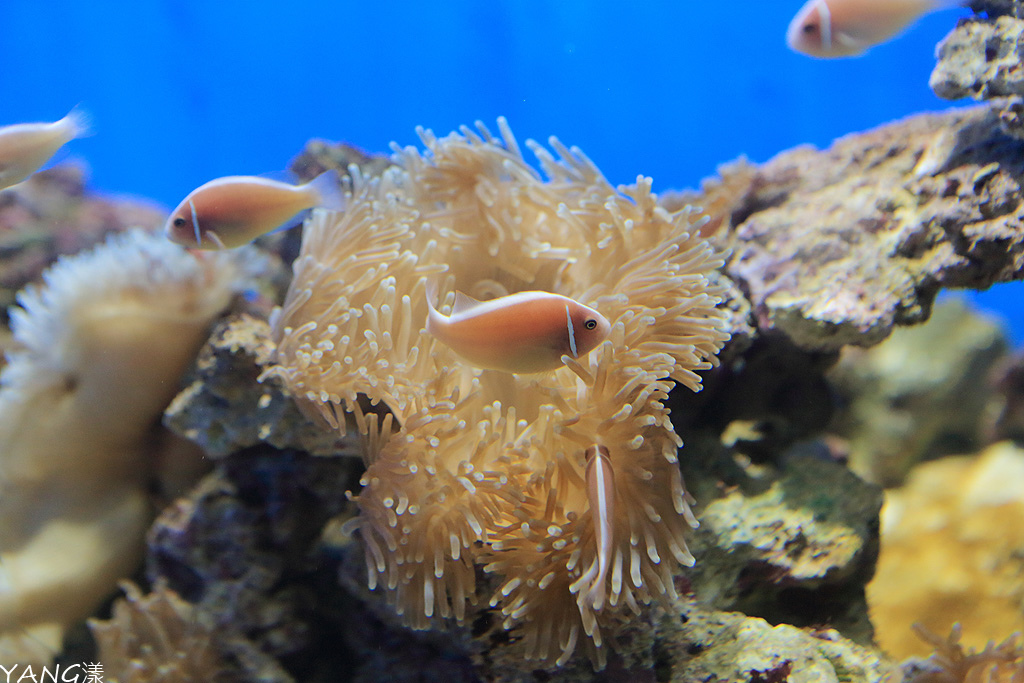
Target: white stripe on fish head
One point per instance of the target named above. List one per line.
(825, 19)
(195, 221)
(572, 333)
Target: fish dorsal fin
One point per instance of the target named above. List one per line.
(463, 303)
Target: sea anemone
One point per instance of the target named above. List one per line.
(470, 467)
(157, 638)
(101, 347)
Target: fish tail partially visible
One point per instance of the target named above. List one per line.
(79, 123)
(326, 191)
(434, 318)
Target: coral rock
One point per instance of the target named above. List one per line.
(797, 546)
(839, 246)
(920, 394)
(721, 646)
(224, 409)
(981, 60)
(952, 543)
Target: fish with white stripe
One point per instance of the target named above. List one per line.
(526, 332)
(847, 28)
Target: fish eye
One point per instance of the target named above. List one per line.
(178, 222)
(590, 324)
(810, 28)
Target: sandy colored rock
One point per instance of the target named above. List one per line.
(952, 548)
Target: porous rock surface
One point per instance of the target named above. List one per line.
(837, 247)
(224, 408)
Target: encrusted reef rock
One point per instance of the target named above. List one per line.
(795, 546)
(224, 409)
(981, 59)
(244, 548)
(52, 214)
(922, 393)
(697, 646)
(837, 247)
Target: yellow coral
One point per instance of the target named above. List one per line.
(101, 348)
(472, 467)
(952, 539)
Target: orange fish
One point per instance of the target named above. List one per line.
(521, 333)
(845, 28)
(232, 211)
(24, 147)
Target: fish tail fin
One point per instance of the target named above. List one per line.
(431, 291)
(434, 317)
(327, 190)
(79, 122)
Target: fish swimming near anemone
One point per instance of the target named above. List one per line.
(232, 211)
(525, 332)
(25, 147)
(847, 28)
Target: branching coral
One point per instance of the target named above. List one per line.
(101, 347)
(1002, 663)
(470, 467)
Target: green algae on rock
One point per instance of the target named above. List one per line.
(920, 394)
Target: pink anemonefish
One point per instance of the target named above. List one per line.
(846, 28)
(24, 147)
(232, 211)
(519, 333)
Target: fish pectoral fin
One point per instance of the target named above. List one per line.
(848, 41)
(463, 302)
(216, 239)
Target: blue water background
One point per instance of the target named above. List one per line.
(184, 91)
